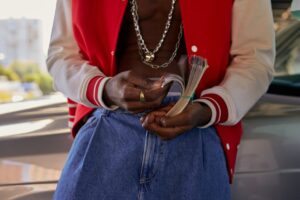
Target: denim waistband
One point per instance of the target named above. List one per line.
(173, 97)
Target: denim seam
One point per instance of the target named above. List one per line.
(144, 161)
(84, 158)
(157, 156)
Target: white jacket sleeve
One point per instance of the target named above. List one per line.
(251, 69)
(72, 75)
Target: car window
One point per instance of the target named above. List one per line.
(287, 64)
(287, 43)
(288, 51)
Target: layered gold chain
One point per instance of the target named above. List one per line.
(146, 55)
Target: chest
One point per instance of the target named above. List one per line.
(206, 26)
(157, 8)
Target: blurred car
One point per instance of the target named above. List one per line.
(11, 91)
(14, 91)
(34, 141)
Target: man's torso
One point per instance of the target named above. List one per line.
(152, 19)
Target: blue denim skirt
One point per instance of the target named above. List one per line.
(114, 158)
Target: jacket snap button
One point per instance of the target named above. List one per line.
(194, 48)
(228, 146)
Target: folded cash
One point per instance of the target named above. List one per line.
(198, 66)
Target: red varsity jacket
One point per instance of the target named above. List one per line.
(236, 37)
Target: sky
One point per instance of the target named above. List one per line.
(32, 9)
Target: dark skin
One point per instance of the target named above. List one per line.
(124, 89)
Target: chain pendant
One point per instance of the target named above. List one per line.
(146, 55)
(149, 57)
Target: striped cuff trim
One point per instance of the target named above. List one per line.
(229, 111)
(71, 117)
(220, 106)
(72, 111)
(86, 91)
(71, 102)
(216, 106)
(95, 92)
(92, 90)
(72, 105)
(70, 124)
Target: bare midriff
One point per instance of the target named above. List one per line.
(152, 18)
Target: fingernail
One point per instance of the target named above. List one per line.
(142, 119)
(163, 122)
(157, 120)
(144, 124)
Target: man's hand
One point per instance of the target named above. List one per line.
(124, 91)
(194, 115)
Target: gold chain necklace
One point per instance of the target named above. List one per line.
(146, 55)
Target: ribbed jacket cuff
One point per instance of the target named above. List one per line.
(218, 107)
(94, 92)
(72, 105)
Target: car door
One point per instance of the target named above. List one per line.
(268, 164)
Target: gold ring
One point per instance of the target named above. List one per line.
(142, 96)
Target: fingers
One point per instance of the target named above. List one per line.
(131, 98)
(151, 122)
(167, 108)
(182, 119)
(170, 127)
(125, 88)
(166, 133)
(159, 113)
(137, 105)
(152, 117)
(167, 122)
(191, 115)
(142, 82)
(130, 93)
(137, 80)
(148, 119)
(131, 85)
(152, 95)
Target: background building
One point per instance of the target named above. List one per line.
(21, 39)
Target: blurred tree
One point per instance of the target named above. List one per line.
(24, 68)
(32, 77)
(44, 81)
(2, 70)
(46, 84)
(9, 73)
(12, 76)
(30, 72)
